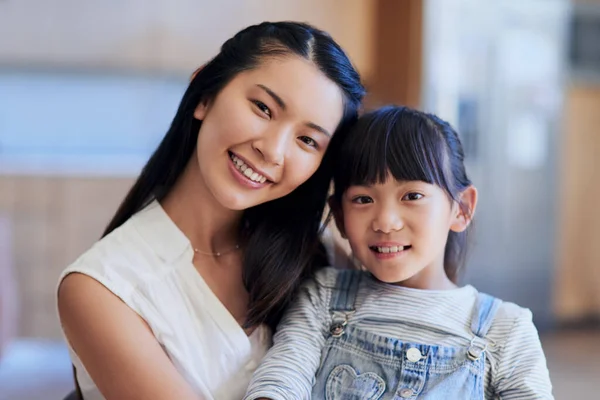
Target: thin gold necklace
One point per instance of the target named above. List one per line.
(217, 254)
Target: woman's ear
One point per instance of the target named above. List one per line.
(338, 215)
(464, 210)
(201, 109)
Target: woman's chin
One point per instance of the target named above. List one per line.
(236, 200)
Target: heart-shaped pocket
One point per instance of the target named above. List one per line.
(344, 383)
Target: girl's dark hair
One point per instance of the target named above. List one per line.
(412, 146)
(281, 236)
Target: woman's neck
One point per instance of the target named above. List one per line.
(208, 225)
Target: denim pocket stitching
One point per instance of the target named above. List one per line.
(330, 391)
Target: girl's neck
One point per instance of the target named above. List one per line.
(428, 283)
(432, 277)
(207, 224)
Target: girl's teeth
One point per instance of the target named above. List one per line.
(254, 176)
(244, 167)
(248, 172)
(392, 249)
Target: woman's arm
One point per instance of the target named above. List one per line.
(115, 344)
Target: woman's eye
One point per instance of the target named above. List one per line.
(362, 200)
(262, 107)
(412, 196)
(309, 141)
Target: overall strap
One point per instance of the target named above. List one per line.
(346, 288)
(484, 313)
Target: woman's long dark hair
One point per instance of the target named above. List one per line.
(409, 145)
(281, 236)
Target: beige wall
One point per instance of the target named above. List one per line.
(161, 34)
(578, 275)
(54, 220)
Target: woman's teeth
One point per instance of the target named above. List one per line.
(246, 170)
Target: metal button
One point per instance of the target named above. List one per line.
(337, 329)
(413, 354)
(406, 393)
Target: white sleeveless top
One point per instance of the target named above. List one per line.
(147, 262)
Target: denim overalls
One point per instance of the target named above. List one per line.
(360, 365)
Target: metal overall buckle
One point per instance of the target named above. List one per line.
(337, 328)
(477, 349)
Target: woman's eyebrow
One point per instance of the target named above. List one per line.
(318, 128)
(274, 95)
(283, 106)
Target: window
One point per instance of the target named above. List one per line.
(75, 123)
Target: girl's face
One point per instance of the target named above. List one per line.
(398, 230)
(266, 132)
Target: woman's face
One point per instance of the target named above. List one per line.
(266, 132)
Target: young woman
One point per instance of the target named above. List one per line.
(176, 300)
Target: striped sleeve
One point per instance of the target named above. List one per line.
(521, 370)
(287, 372)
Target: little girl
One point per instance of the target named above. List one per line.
(402, 329)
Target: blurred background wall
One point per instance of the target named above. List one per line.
(87, 89)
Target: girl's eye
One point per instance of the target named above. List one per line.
(362, 200)
(262, 107)
(412, 196)
(309, 141)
